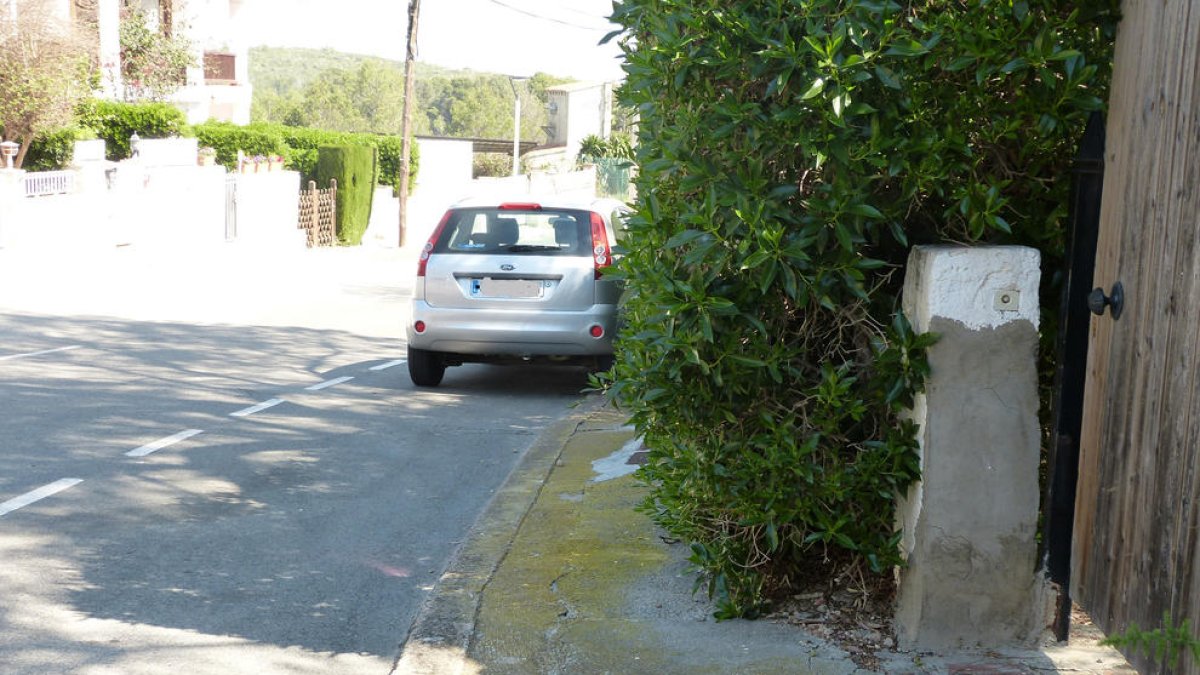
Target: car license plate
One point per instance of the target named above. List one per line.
(510, 288)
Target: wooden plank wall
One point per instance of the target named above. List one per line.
(1138, 503)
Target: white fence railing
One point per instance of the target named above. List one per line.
(45, 183)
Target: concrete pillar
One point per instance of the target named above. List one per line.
(969, 525)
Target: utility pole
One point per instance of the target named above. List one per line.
(414, 8)
(516, 163)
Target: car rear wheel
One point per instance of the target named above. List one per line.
(425, 368)
(603, 364)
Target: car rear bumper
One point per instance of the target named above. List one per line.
(512, 332)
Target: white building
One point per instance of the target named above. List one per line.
(576, 111)
(217, 86)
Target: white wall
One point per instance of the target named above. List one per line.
(444, 177)
(177, 207)
(580, 110)
(268, 208)
(128, 203)
(155, 152)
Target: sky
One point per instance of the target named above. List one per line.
(513, 37)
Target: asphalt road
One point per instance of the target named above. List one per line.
(215, 462)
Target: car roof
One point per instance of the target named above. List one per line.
(600, 204)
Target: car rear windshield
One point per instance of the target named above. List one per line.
(535, 232)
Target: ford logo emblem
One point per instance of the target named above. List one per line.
(507, 267)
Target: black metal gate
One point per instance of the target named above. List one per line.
(1084, 226)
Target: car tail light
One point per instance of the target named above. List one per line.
(596, 331)
(419, 326)
(601, 254)
(437, 232)
(520, 206)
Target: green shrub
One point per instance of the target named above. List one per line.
(115, 122)
(304, 143)
(389, 161)
(616, 146)
(491, 165)
(1162, 646)
(227, 138)
(355, 167)
(789, 154)
(54, 150)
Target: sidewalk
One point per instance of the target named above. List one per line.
(561, 575)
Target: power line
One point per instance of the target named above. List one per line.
(580, 12)
(526, 12)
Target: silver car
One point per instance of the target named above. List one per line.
(516, 282)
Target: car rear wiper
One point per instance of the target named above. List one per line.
(526, 248)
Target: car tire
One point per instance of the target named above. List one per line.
(425, 368)
(603, 364)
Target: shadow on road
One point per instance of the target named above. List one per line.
(318, 524)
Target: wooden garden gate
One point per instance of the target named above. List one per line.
(318, 214)
(1137, 507)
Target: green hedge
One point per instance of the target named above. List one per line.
(789, 155)
(298, 146)
(111, 121)
(355, 167)
(115, 122)
(55, 150)
(228, 138)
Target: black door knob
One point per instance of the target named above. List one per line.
(1097, 301)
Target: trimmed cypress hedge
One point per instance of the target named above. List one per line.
(355, 167)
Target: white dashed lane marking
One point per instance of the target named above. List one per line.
(66, 483)
(163, 442)
(329, 383)
(258, 407)
(38, 494)
(44, 351)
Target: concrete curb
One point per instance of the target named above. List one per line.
(440, 636)
(558, 574)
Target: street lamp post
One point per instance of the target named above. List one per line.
(516, 135)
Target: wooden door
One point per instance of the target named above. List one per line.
(1137, 510)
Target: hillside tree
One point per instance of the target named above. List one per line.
(344, 92)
